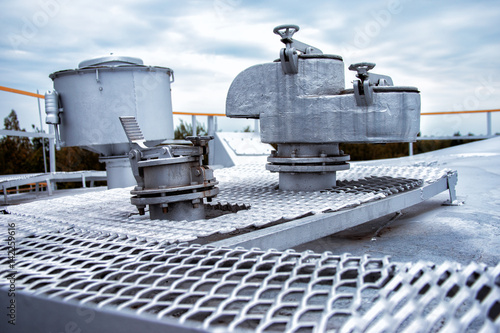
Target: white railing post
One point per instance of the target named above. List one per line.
(210, 125)
(193, 124)
(211, 144)
(488, 123)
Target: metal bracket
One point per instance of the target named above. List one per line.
(288, 56)
(363, 88)
(363, 92)
(53, 111)
(452, 180)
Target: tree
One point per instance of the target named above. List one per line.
(15, 151)
(37, 154)
(22, 155)
(185, 129)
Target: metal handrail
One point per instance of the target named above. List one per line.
(458, 112)
(21, 92)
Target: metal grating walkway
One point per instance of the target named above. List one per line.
(110, 212)
(208, 288)
(93, 252)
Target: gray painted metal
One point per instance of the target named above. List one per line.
(36, 313)
(96, 94)
(302, 101)
(307, 166)
(105, 261)
(290, 234)
(248, 185)
(111, 60)
(133, 285)
(118, 171)
(171, 180)
(309, 108)
(289, 56)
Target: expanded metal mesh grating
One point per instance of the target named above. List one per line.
(261, 291)
(241, 187)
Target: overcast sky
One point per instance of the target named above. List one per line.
(450, 50)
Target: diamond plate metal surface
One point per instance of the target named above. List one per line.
(255, 290)
(110, 212)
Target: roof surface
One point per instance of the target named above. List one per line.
(431, 231)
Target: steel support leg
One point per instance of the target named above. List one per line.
(452, 182)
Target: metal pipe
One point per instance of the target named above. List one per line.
(52, 151)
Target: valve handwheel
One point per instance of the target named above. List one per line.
(362, 68)
(286, 31)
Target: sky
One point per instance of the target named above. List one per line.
(450, 50)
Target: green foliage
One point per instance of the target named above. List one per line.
(370, 151)
(22, 155)
(186, 129)
(14, 151)
(247, 129)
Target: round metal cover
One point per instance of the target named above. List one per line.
(111, 60)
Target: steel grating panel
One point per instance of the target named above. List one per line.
(110, 212)
(255, 290)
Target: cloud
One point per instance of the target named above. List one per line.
(447, 49)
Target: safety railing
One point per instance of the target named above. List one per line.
(489, 133)
(488, 116)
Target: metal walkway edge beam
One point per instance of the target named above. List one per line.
(293, 233)
(35, 312)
